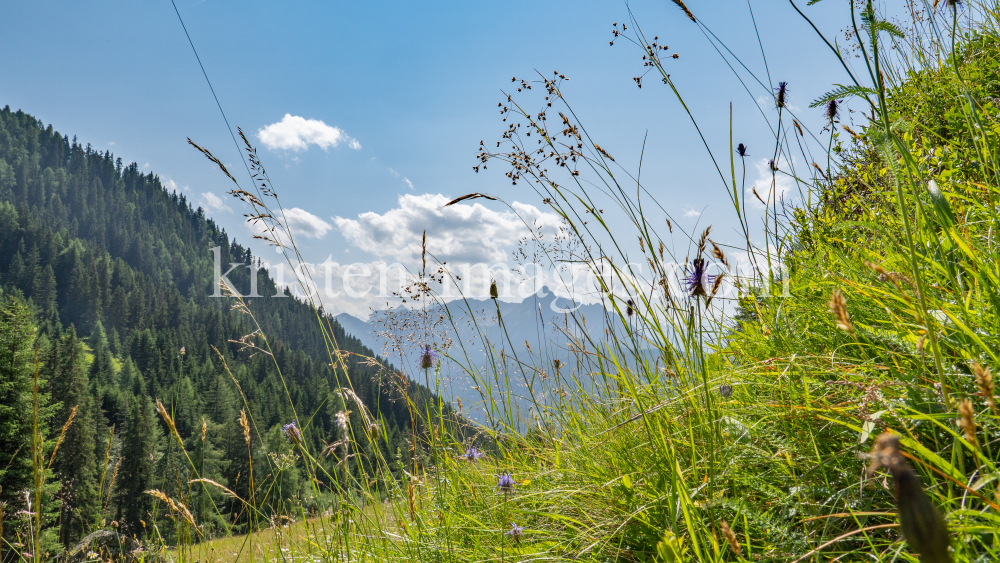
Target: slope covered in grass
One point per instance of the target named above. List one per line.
(891, 326)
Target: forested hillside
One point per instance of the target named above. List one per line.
(107, 279)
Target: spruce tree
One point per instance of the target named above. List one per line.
(74, 461)
(17, 337)
(102, 384)
(135, 476)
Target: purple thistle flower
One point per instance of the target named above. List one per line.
(505, 484)
(832, 108)
(699, 281)
(472, 454)
(782, 93)
(515, 532)
(726, 390)
(427, 358)
(741, 150)
(292, 431)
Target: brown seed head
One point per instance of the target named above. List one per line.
(984, 380)
(838, 306)
(727, 532)
(967, 421)
(245, 425)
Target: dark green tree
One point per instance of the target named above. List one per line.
(74, 462)
(135, 475)
(17, 337)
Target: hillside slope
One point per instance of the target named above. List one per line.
(97, 245)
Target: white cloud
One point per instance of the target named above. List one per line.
(297, 133)
(781, 183)
(308, 225)
(457, 234)
(408, 182)
(393, 172)
(112, 143)
(691, 212)
(213, 202)
(168, 184)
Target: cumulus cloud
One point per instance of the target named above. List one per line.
(168, 184)
(212, 202)
(297, 133)
(458, 233)
(781, 183)
(691, 212)
(308, 225)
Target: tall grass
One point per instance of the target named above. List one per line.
(700, 425)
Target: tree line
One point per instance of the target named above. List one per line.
(106, 280)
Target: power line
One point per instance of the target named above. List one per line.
(219, 105)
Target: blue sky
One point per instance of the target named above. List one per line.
(416, 85)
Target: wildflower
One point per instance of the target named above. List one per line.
(699, 280)
(427, 358)
(726, 390)
(832, 107)
(292, 431)
(505, 484)
(741, 150)
(494, 294)
(782, 93)
(921, 523)
(472, 454)
(772, 165)
(628, 310)
(515, 532)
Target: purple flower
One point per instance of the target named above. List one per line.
(726, 390)
(505, 484)
(741, 150)
(782, 93)
(628, 310)
(515, 532)
(427, 358)
(832, 107)
(472, 454)
(699, 281)
(292, 432)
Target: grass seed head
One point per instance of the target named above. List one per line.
(967, 421)
(984, 380)
(838, 306)
(727, 533)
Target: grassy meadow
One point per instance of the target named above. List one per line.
(700, 432)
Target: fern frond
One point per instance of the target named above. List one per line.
(842, 91)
